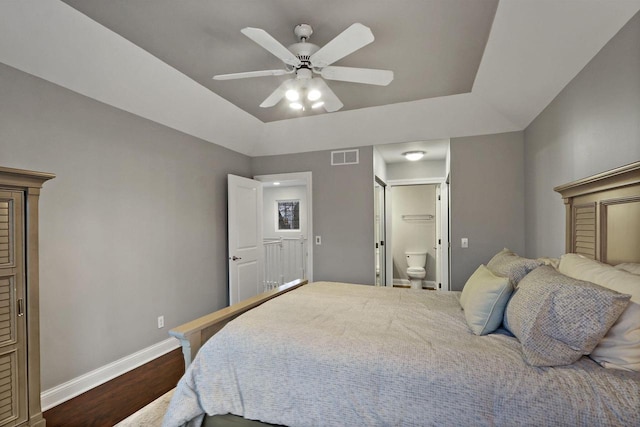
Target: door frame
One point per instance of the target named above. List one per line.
(305, 177)
(383, 249)
(443, 267)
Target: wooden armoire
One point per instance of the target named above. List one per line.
(19, 302)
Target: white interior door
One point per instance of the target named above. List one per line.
(245, 238)
(444, 236)
(438, 242)
(379, 232)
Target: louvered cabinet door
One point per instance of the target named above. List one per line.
(13, 375)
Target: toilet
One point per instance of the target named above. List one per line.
(416, 271)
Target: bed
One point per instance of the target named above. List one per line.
(343, 354)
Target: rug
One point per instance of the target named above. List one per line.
(149, 416)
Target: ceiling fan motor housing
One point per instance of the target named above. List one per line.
(303, 51)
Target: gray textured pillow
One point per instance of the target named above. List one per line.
(559, 319)
(508, 264)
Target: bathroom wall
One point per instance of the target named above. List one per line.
(413, 236)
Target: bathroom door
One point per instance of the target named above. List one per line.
(379, 231)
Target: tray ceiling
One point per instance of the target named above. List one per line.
(501, 66)
(433, 47)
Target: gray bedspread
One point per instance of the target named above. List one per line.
(333, 354)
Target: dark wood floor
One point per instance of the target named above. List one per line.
(115, 400)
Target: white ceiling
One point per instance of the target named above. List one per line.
(534, 48)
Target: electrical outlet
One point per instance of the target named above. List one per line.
(318, 240)
(160, 322)
(464, 242)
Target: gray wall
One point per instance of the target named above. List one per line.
(593, 125)
(342, 212)
(133, 227)
(487, 201)
(417, 170)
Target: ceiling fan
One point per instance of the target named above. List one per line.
(304, 59)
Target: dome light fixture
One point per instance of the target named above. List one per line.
(317, 104)
(296, 106)
(413, 155)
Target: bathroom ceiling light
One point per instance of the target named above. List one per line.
(414, 155)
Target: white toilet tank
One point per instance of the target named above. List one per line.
(416, 259)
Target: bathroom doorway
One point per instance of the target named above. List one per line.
(407, 164)
(416, 223)
(413, 210)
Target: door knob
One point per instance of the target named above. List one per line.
(235, 258)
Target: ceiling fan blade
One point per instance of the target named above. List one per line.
(368, 76)
(265, 40)
(248, 74)
(331, 101)
(276, 95)
(348, 41)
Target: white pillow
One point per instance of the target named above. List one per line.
(631, 267)
(483, 300)
(620, 347)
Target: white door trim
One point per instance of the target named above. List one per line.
(305, 177)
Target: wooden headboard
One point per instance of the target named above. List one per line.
(603, 215)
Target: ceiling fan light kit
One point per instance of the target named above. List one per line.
(292, 95)
(314, 95)
(305, 59)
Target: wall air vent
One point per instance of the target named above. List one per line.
(345, 157)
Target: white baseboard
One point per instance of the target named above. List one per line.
(70, 389)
